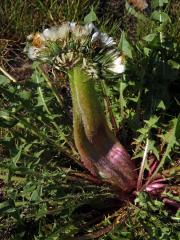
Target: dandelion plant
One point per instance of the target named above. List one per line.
(85, 55)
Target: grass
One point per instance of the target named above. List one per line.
(23, 17)
(45, 193)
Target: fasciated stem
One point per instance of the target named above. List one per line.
(99, 149)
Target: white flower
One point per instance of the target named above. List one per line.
(95, 36)
(63, 31)
(104, 38)
(74, 48)
(30, 37)
(32, 52)
(37, 46)
(72, 25)
(90, 27)
(55, 33)
(79, 32)
(117, 65)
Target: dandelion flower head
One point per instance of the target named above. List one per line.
(69, 44)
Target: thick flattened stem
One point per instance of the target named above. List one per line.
(87, 102)
(80, 138)
(99, 149)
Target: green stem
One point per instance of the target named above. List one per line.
(86, 101)
(99, 149)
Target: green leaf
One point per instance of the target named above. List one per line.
(16, 158)
(40, 98)
(158, 3)
(177, 131)
(28, 188)
(25, 94)
(150, 37)
(147, 51)
(5, 115)
(6, 120)
(151, 123)
(130, 10)
(171, 139)
(36, 194)
(161, 105)
(91, 17)
(125, 46)
(143, 130)
(153, 149)
(160, 16)
(139, 155)
(4, 80)
(170, 136)
(37, 77)
(174, 64)
(42, 211)
(5, 204)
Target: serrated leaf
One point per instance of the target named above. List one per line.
(37, 78)
(153, 149)
(143, 130)
(35, 64)
(151, 123)
(40, 100)
(139, 155)
(25, 94)
(170, 138)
